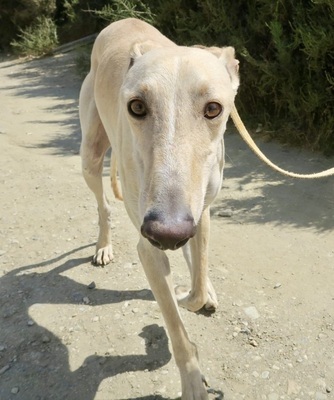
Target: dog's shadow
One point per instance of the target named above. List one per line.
(34, 361)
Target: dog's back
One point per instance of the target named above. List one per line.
(117, 40)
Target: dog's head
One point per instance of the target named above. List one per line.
(177, 101)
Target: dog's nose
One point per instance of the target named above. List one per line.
(168, 233)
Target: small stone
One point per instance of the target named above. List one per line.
(2, 347)
(135, 310)
(92, 285)
(245, 331)
(278, 285)
(328, 389)
(30, 322)
(4, 369)
(86, 300)
(321, 336)
(253, 343)
(45, 339)
(15, 390)
(227, 213)
(251, 312)
(265, 375)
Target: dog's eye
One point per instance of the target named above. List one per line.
(212, 110)
(137, 108)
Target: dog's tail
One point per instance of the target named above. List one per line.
(247, 138)
(113, 175)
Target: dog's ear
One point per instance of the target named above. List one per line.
(232, 65)
(138, 49)
(227, 56)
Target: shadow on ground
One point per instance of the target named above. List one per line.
(257, 195)
(51, 78)
(32, 363)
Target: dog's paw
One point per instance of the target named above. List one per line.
(194, 388)
(211, 305)
(187, 299)
(103, 255)
(193, 302)
(212, 300)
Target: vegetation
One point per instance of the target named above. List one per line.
(18, 15)
(38, 39)
(285, 47)
(120, 9)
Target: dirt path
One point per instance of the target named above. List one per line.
(271, 261)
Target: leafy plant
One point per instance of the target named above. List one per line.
(38, 39)
(119, 9)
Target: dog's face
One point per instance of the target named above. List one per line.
(177, 101)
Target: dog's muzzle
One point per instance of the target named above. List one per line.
(168, 233)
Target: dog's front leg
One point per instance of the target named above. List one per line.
(202, 293)
(157, 270)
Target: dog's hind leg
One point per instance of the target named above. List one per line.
(202, 293)
(94, 145)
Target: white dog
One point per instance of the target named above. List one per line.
(163, 109)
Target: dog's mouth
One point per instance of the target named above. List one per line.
(164, 247)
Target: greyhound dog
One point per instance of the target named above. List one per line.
(163, 109)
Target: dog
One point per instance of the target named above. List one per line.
(163, 110)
